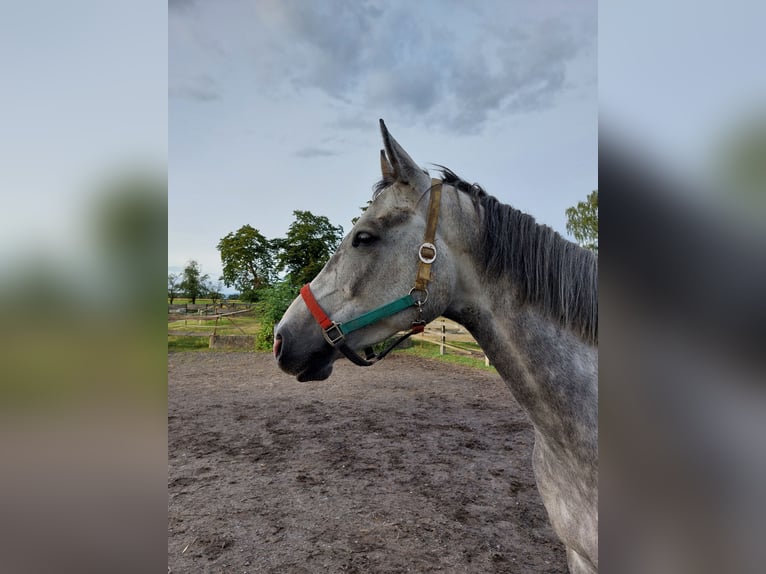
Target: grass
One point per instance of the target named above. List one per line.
(467, 346)
(187, 343)
(429, 350)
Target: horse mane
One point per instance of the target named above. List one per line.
(558, 276)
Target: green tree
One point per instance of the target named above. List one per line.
(193, 282)
(273, 303)
(173, 281)
(582, 221)
(213, 291)
(248, 261)
(311, 240)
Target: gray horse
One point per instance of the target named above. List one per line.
(528, 296)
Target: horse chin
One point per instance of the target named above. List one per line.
(316, 367)
(314, 373)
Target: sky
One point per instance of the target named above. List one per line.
(273, 107)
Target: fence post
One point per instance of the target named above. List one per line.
(444, 338)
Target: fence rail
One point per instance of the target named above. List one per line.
(450, 335)
(207, 308)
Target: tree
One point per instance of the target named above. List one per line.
(193, 282)
(213, 290)
(273, 303)
(248, 261)
(311, 240)
(173, 281)
(582, 222)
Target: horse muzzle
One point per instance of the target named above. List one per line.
(303, 363)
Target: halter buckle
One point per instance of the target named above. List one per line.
(425, 258)
(333, 338)
(418, 302)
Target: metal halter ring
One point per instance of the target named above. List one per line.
(422, 257)
(418, 302)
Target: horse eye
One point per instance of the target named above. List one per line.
(363, 238)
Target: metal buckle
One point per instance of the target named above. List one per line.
(423, 258)
(418, 302)
(331, 339)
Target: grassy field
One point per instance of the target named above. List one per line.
(187, 343)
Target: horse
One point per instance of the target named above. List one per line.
(445, 247)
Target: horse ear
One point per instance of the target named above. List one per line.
(405, 170)
(385, 166)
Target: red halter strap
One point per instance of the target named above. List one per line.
(321, 317)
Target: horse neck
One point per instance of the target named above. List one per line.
(549, 369)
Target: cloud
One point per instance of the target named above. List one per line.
(397, 57)
(201, 89)
(181, 4)
(308, 152)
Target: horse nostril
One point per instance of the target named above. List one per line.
(277, 345)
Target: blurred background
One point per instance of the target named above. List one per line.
(682, 170)
(83, 156)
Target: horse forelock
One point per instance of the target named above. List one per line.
(382, 185)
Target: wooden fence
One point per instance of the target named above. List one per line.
(207, 308)
(453, 337)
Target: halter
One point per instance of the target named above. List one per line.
(335, 333)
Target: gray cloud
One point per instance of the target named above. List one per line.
(396, 57)
(180, 4)
(308, 152)
(200, 88)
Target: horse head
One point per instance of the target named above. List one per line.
(384, 277)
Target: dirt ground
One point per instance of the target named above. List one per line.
(408, 466)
